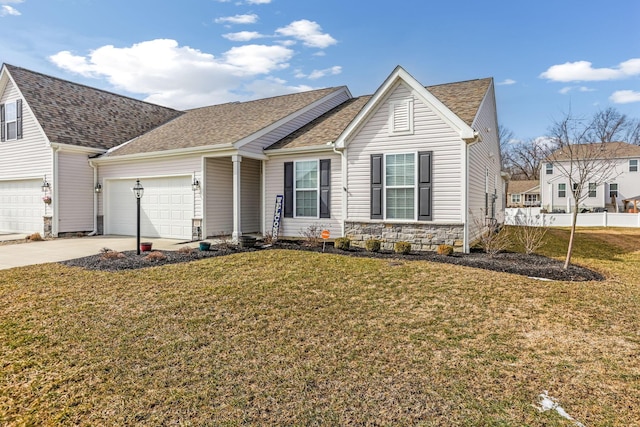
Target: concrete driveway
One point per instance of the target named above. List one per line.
(31, 253)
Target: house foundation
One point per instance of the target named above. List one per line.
(422, 236)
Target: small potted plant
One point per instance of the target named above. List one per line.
(47, 199)
(205, 246)
(145, 246)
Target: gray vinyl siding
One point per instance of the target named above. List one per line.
(295, 227)
(219, 187)
(75, 192)
(431, 133)
(141, 169)
(482, 155)
(250, 200)
(31, 156)
(277, 134)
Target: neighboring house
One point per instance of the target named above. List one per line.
(521, 194)
(407, 163)
(621, 185)
(50, 128)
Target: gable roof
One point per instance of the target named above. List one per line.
(75, 114)
(222, 125)
(325, 128)
(462, 98)
(593, 151)
(521, 187)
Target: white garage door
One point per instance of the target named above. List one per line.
(166, 207)
(21, 206)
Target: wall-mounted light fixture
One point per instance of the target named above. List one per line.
(98, 188)
(45, 184)
(195, 185)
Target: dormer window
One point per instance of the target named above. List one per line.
(401, 117)
(11, 118)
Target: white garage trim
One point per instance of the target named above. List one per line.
(166, 208)
(21, 206)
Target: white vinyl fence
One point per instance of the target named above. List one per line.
(532, 216)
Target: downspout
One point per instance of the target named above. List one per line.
(468, 143)
(95, 199)
(54, 193)
(343, 199)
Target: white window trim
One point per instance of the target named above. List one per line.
(595, 190)
(295, 189)
(616, 190)
(414, 186)
(7, 122)
(635, 166)
(513, 198)
(549, 169)
(565, 190)
(408, 103)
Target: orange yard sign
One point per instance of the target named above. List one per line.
(325, 234)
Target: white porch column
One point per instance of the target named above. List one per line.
(235, 236)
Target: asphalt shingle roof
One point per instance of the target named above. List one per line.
(71, 113)
(462, 98)
(519, 187)
(221, 124)
(599, 150)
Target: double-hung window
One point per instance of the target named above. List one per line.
(549, 168)
(633, 165)
(613, 190)
(562, 190)
(401, 186)
(307, 189)
(515, 198)
(11, 120)
(400, 182)
(592, 189)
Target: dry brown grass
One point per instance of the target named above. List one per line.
(297, 338)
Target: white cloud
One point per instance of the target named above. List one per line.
(568, 89)
(309, 32)
(506, 82)
(583, 71)
(6, 10)
(258, 1)
(178, 76)
(625, 96)
(316, 74)
(243, 36)
(238, 19)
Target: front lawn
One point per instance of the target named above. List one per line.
(300, 338)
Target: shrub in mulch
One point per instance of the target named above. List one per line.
(508, 262)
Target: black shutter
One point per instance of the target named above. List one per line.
(376, 186)
(325, 188)
(19, 119)
(425, 159)
(288, 189)
(2, 122)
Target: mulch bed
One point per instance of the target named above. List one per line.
(516, 263)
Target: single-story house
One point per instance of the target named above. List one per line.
(408, 163)
(522, 194)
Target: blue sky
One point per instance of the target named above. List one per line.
(547, 57)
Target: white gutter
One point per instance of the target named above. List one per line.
(166, 153)
(298, 150)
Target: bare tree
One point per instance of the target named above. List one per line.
(584, 164)
(610, 125)
(505, 136)
(523, 159)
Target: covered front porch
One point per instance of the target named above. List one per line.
(232, 201)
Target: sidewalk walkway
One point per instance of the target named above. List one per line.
(31, 253)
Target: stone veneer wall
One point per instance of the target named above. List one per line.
(48, 226)
(422, 236)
